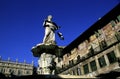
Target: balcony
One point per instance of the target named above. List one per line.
(111, 41)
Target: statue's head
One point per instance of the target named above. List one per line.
(49, 17)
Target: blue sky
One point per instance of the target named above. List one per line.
(21, 23)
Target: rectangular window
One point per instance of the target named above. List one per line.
(102, 61)
(27, 72)
(19, 72)
(111, 56)
(86, 69)
(62, 66)
(93, 65)
(1, 70)
(71, 62)
(78, 58)
(73, 72)
(103, 44)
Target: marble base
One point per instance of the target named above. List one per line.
(47, 48)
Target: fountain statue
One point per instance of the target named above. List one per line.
(48, 50)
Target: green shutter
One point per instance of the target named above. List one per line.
(86, 69)
(102, 61)
(93, 65)
(111, 56)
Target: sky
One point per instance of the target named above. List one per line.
(21, 23)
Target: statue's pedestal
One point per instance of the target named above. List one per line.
(46, 54)
(44, 48)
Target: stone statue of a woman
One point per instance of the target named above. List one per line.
(50, 28)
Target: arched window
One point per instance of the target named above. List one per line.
(78, 58)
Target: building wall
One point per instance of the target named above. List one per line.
(15, 68)
(102, 46)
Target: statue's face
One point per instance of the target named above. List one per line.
(50, 17)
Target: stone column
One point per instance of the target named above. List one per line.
(89, 67)
(82, 71)
(117, 50)
(46, 63)
(106, 59)
(97, 63)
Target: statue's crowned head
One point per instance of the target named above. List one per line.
(49, 17)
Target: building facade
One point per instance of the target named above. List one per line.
(96, 51)
(9, 68)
